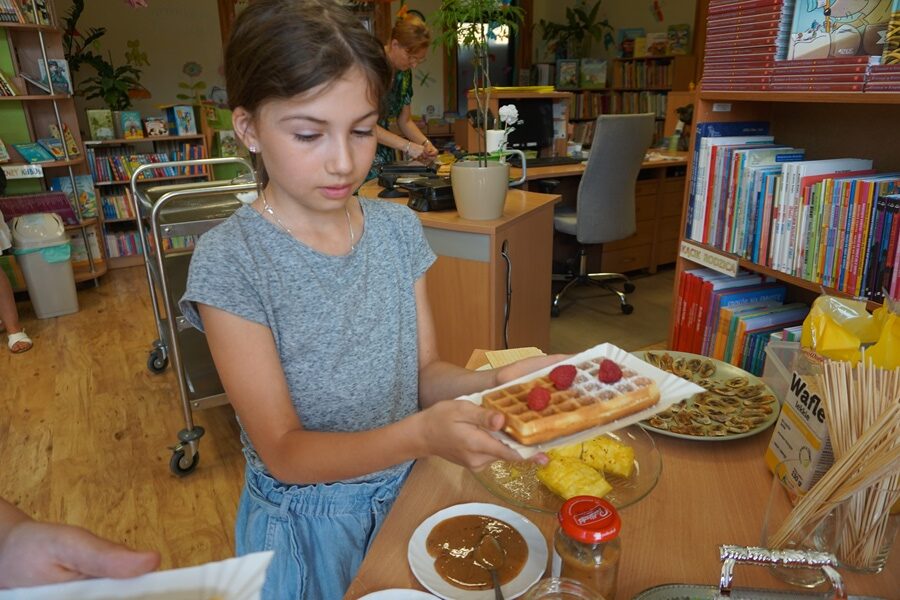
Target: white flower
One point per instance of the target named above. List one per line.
(509, 115)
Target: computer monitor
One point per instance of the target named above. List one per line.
(536, 131)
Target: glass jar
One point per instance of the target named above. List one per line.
(586, 546)
(556, 588)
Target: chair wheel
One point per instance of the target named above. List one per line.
(627, 309)
(628, 287)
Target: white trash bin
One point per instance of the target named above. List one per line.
(42, 249)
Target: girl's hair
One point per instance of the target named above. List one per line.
(282, 48)
(411, 32)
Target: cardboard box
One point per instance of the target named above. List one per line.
(801, 432)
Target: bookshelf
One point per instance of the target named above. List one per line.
(641, 84)
(29, 116)
(111, 163)
(804, 120)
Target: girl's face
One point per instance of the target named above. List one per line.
(318, 146)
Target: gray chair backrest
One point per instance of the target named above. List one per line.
(606, 193)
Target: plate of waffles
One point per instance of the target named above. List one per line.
(518, 482)
(733, 404)
(597, 391)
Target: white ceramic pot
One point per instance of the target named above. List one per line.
(480, 191)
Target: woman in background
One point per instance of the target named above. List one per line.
(406, 49)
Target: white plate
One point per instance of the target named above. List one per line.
(422, 563)
(398, 594)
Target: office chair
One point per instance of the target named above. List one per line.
(605, 210)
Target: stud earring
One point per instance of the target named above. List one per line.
(253, 149)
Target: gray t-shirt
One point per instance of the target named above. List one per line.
(344, 326)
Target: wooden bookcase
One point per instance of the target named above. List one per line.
(826, 124)
(27, 117)
(110, 163)
(642, 84)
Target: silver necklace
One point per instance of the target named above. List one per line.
(269, 210)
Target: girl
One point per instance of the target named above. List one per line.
(315, 309)
(406, 49)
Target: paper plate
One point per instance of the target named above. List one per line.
(517, 483)
(671, 390)
(422, 563)
(239, 578)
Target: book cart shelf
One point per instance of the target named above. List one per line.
(827, 125)
(639, 85)
(28, 116)
(111, 163)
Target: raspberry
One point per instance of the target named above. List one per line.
(538, 398)
(563, 376)
(609, 371)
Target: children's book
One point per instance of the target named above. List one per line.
(625, 37)
(35, 11)
(4, 153)
(736, 299)
(87, 196)
(67, 138)
(679, 39)
(59, 75)
(128, 123)
(34, 153)
(840, 29)
(7, 86)
(227, 143)
(100, 122)
(155, 126)
(54, 146)
(657, 44)
(181, 119)
(891, 53)
(592, 74)
(9, 12)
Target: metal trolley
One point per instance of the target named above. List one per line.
(165, 212)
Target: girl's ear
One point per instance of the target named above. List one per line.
(244, 127)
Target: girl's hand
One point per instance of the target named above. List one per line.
(35, 553)
(457, 430)
(525, 366)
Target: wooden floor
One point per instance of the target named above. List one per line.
(84, 427)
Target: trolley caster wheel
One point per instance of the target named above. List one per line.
(178, 465)
(628, 287)
(554, 310)
(157, 361)
(627, 309)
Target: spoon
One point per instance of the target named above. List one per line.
(491, 556)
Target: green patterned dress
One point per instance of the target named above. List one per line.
(400, 95)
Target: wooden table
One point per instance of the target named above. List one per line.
(709, 493)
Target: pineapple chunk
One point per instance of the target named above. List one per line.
(610, 456)
(570, 451)
(568, 477)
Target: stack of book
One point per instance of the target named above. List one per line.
(743, 38)
(831, 74)
(732, 318)
(883, 78)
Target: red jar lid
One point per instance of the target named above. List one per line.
(589, 519)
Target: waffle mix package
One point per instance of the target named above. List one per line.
(835, 329)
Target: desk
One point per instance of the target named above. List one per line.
(659, 196)
(471, 286)
(708, 494)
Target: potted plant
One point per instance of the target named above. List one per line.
(116, 86)
(573, 38)
(479, 186)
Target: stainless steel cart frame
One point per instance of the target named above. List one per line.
(176, 210)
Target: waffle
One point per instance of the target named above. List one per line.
(588, 403)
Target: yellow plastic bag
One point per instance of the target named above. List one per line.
(836, 328)
(886, 351)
